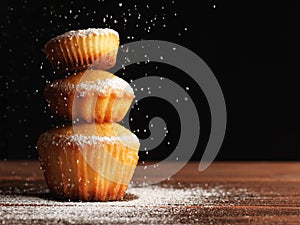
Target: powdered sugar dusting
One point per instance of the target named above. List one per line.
(148, 204)
(105, 86)
(87, 32)
(82, 140)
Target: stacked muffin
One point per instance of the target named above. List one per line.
(92, 158)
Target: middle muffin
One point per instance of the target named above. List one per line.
(90, 95)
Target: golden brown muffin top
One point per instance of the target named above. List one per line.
(92, 81)
(90, 134)
(84, 33)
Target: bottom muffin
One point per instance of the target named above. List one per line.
(88, 162)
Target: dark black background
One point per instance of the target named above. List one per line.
(252, 48)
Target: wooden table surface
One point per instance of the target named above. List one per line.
(226, 193)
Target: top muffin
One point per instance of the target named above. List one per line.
(80, 49)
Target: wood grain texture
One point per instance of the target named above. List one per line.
(226, 193)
